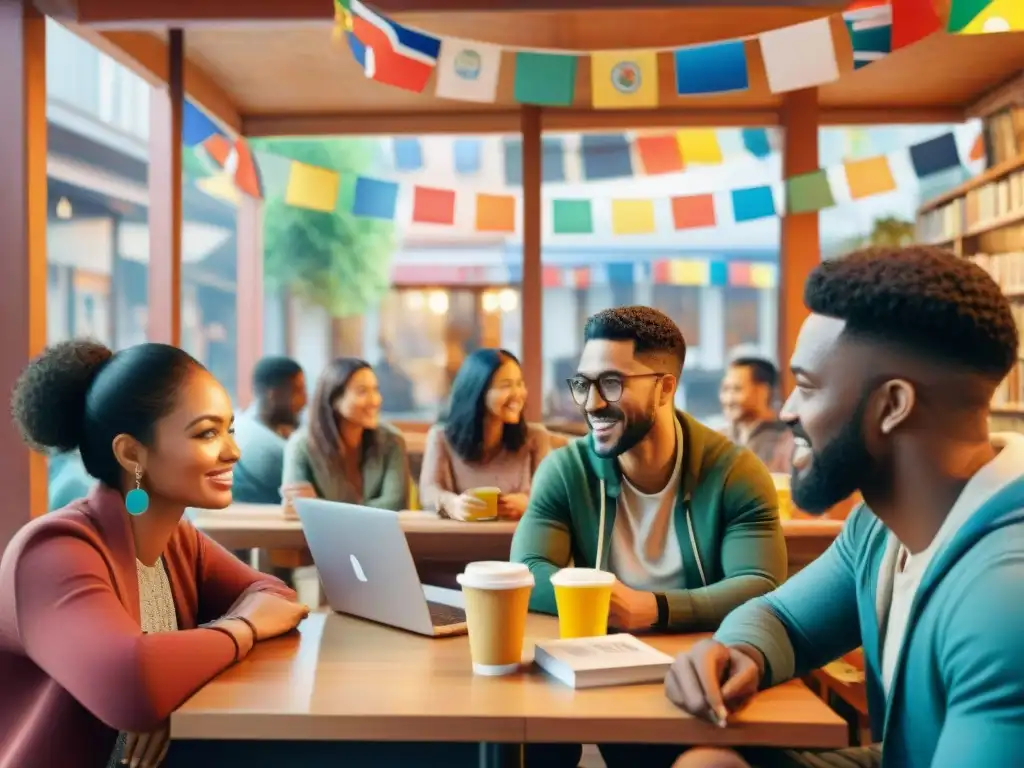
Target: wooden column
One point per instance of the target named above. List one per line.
(800, 247)
(165, 119)
(248, 294)
(23, 261)
(531, 303)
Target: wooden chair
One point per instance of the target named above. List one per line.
(841, 686)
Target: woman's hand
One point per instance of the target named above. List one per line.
(291, 491)
(147, 750)
(511, 506)
(464, 507)
(270, 615)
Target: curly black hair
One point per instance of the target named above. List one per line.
(80, 394)
(923, 298)
(651, 331)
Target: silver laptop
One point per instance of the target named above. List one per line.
(367, 570)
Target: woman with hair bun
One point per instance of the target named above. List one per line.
(114, 610)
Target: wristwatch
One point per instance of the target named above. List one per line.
(662, 601)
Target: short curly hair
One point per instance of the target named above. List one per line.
(923, 298)
(651, 331)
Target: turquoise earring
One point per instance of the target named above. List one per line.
(137, 500)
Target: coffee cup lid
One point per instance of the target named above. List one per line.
(494, 574)
(582, 577)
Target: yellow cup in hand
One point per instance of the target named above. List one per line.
(488, 496)
(583, 597)
(782, 490)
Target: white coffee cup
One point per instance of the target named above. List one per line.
(497, 599)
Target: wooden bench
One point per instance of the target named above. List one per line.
(841, 685)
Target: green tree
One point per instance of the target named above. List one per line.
(890, 231)
(337, 260)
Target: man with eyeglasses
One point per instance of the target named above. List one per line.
(686, 520)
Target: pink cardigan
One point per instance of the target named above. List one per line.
(75, 665)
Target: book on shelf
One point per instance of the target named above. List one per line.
(998, 202)
(592, 662)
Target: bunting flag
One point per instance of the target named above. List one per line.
(869, 24)
(797, 56)
(912, 20)
(319, 189)
(980, 17)
(624, 79)
(390, 53)
(196, 127)
(546, 79)
(468, 70)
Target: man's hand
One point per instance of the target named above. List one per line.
(631, 609)
(711, 680)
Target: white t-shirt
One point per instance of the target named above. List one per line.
(644, 550)
(987, 481)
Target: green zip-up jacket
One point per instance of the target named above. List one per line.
(731, 501)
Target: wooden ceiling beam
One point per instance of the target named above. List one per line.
(146, 54)
(165, 13)
(508, 121)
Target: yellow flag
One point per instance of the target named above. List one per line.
(311, 187)
(699, 146)
(762, 275)
(632, 217)
(624, 79)
(999, 16)
(689, 272)
(221, 186)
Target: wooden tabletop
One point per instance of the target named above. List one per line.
(341, 678)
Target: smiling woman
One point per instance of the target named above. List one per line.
(484, 449)
(114, 609)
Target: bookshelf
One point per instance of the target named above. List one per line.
(983, 220)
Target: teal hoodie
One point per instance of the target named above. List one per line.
(726, 515)
(957, 694)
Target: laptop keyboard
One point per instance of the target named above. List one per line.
(442, 615)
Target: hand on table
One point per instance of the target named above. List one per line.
(464, 507)
(270, 615)
(711, 680)
(631, 609)
(147, 750)
(511, 506)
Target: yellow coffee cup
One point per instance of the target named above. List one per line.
(488, 496)
(583, 597)
(782, 490)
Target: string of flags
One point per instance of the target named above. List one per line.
(600, 157)
(262, 174)
(796, 56)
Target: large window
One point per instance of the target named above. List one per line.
(424, 250)
(683, 221)
(97, 209)
(209, 256)
(865, 213)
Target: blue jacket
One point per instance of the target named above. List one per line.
(957, 695)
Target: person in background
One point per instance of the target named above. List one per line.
(261, 430)
(895, 369)
(68, 479)
(345, 453)
(747, 396)
(484, 441)
(692, 521)
(115, 610)
(396, 387)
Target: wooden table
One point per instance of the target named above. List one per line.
(262, 526)
(343, 679)
(432, 540)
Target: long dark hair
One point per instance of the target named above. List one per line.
(324, 435)
(464, 424)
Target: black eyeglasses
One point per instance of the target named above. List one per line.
(609, 385)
